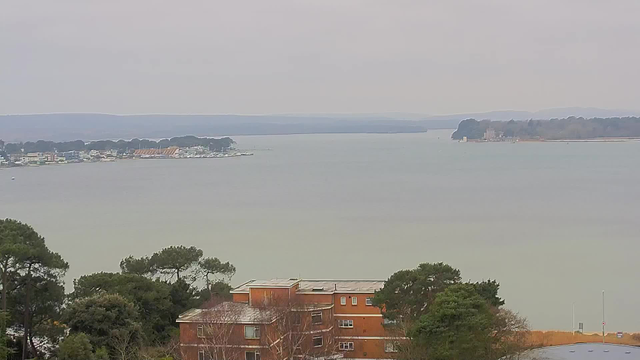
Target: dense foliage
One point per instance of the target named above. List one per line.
(222, 144)
(76, 347)
(152, 299)
(118, 315)
(103, 318)
(446, 319)
(571, 128)
(32, 293)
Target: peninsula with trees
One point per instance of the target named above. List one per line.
(43, 152)
(571, 128)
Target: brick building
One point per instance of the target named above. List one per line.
(284, 319)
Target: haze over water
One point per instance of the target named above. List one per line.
(554, 223)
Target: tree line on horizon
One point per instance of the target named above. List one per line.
(213, 144)
(131, 314)
(571, 128)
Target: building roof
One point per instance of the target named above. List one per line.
(165, 151)
(586, 352)
(341, 286)
(315, 286)
(230, 312)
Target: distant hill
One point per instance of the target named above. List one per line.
(546, 114)
(66, 127)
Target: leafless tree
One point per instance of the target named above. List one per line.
(511, 335)
(124, 345)
(170, 349)
(220, 324)
(290, 335)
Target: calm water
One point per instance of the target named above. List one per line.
(555, 223)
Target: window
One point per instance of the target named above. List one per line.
(390, 346)
(343, 300)
(369, 301)
(316, 317)
(252, 355)
(354, 300)
(200, 331)
(296, 318)
(317, 341)
(345, 323)
(386, 321)
(252, 332)
(346, 346)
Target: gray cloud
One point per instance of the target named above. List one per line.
(204, 56)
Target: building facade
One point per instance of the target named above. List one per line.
(284, 319)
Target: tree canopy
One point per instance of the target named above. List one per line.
(446, 319)
(32, 274)
(136, 266)
(161, 286)
(176, 261)
(103, 318)
(76, 347)
(457, 325)
(408, 293)
(152, 299)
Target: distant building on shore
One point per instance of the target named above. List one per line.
(170, 151)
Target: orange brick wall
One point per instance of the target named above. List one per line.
(360, 308)
(362, 326)
(241, 298)
(307, 298)
(189, 335)
(367, 348)
(258, 296)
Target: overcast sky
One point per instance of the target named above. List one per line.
(280, 56)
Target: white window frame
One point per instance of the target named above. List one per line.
(343, 300)
(390, 346)
(346, 346)
(386, 321)
(256, 354)
(201, 355)
(354, 300)
(256, 329)
(200, 331)
(369, 301)
(313, 341)
(315, 314)
(342, 323)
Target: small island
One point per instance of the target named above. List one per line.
(572, 128)
(43, 152)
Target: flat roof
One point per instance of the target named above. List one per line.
(272, 283)
(316, 286)
(230, 312)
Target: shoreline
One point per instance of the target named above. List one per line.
(596, 140)
(113, 160)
